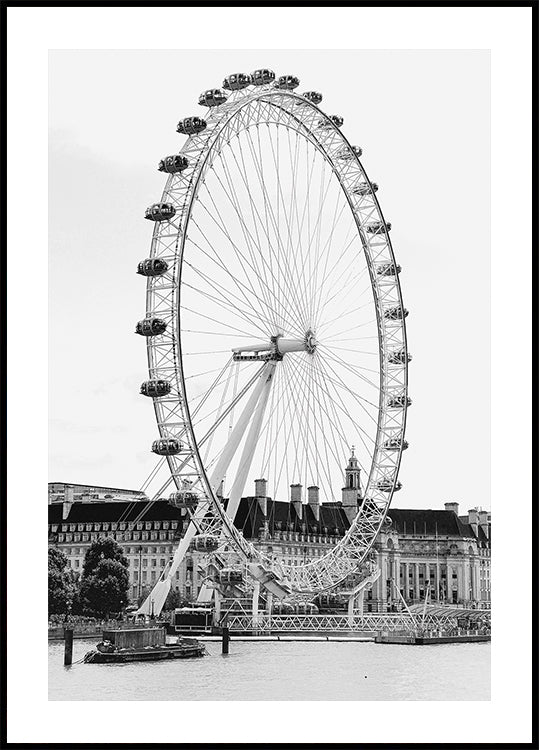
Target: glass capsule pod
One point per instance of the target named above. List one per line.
(150, 327)
(205, 543)
(287, 82)
(160, 212)
(395, 444)
(365, 188)
(183, 499)
(306, 608)
(337, 120)
(378, 227)
(388, 269)
(331, 601)
(312, 96)
(386, 485)
(155, 388)
(166, 447)
(397, 402)
(212, 98)
(191, 125)
(347, 154)
(262, 76)
(237, 81)
(399, 357)
(152, 267)
(229, 575)
(173, 164)
(396, 313)
(282, 608)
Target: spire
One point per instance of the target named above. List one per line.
(352, 472)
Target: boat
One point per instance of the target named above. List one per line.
(141, 644)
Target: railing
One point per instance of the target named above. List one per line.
(375, 622)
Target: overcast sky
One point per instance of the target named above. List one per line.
(422, 119)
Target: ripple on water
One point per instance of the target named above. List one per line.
(266, 671)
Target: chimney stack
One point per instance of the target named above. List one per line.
(313, 494)
(452, 506)
(295, 499)
(473, 519)
(483, 522)
(68, 501)
(261, 490)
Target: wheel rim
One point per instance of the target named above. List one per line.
(173, 297)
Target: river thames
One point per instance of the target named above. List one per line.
(266, 671)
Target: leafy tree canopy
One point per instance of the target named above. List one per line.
(102, 549)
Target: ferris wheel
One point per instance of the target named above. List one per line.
(275, 326)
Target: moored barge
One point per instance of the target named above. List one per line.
(141, 644)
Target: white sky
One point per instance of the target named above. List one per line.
(422, 119)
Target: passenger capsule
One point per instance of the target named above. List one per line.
(262, 76)
(386, 485)
(347, 154)
(399, 357)
(184, 499)
(337, 120)
(330, 601)
(388, 269)
(396, 313)
(398, 402)
(365, 188)
(205, 543)
(212, 98)
(167, 447)
(312, 96)
(155, 388)
(395, 444)
(173, 164)
(287, 82)
(305, 608)
(229, 575)
(191, 126)
(150, 327)
(160, 212)
(378, 227)
(282, 608)
(237, 81)
(152, 267)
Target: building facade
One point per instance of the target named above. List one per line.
(417, 550)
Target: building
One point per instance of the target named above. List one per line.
(436, 550)
(59, 492)
(450, 553)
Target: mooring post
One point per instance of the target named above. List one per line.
(68, 646)
(226, 638)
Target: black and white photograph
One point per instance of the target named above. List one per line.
(269, 340)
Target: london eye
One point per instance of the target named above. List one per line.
(275, 330)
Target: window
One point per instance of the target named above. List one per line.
(145, 562)
(154, 563)
(135, 562)
(162, 562)
(77, 563)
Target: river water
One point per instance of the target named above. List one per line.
(266, 671)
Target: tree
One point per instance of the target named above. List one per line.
(62, 584)
(102, 549)
(105, 578)
(174, 600)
